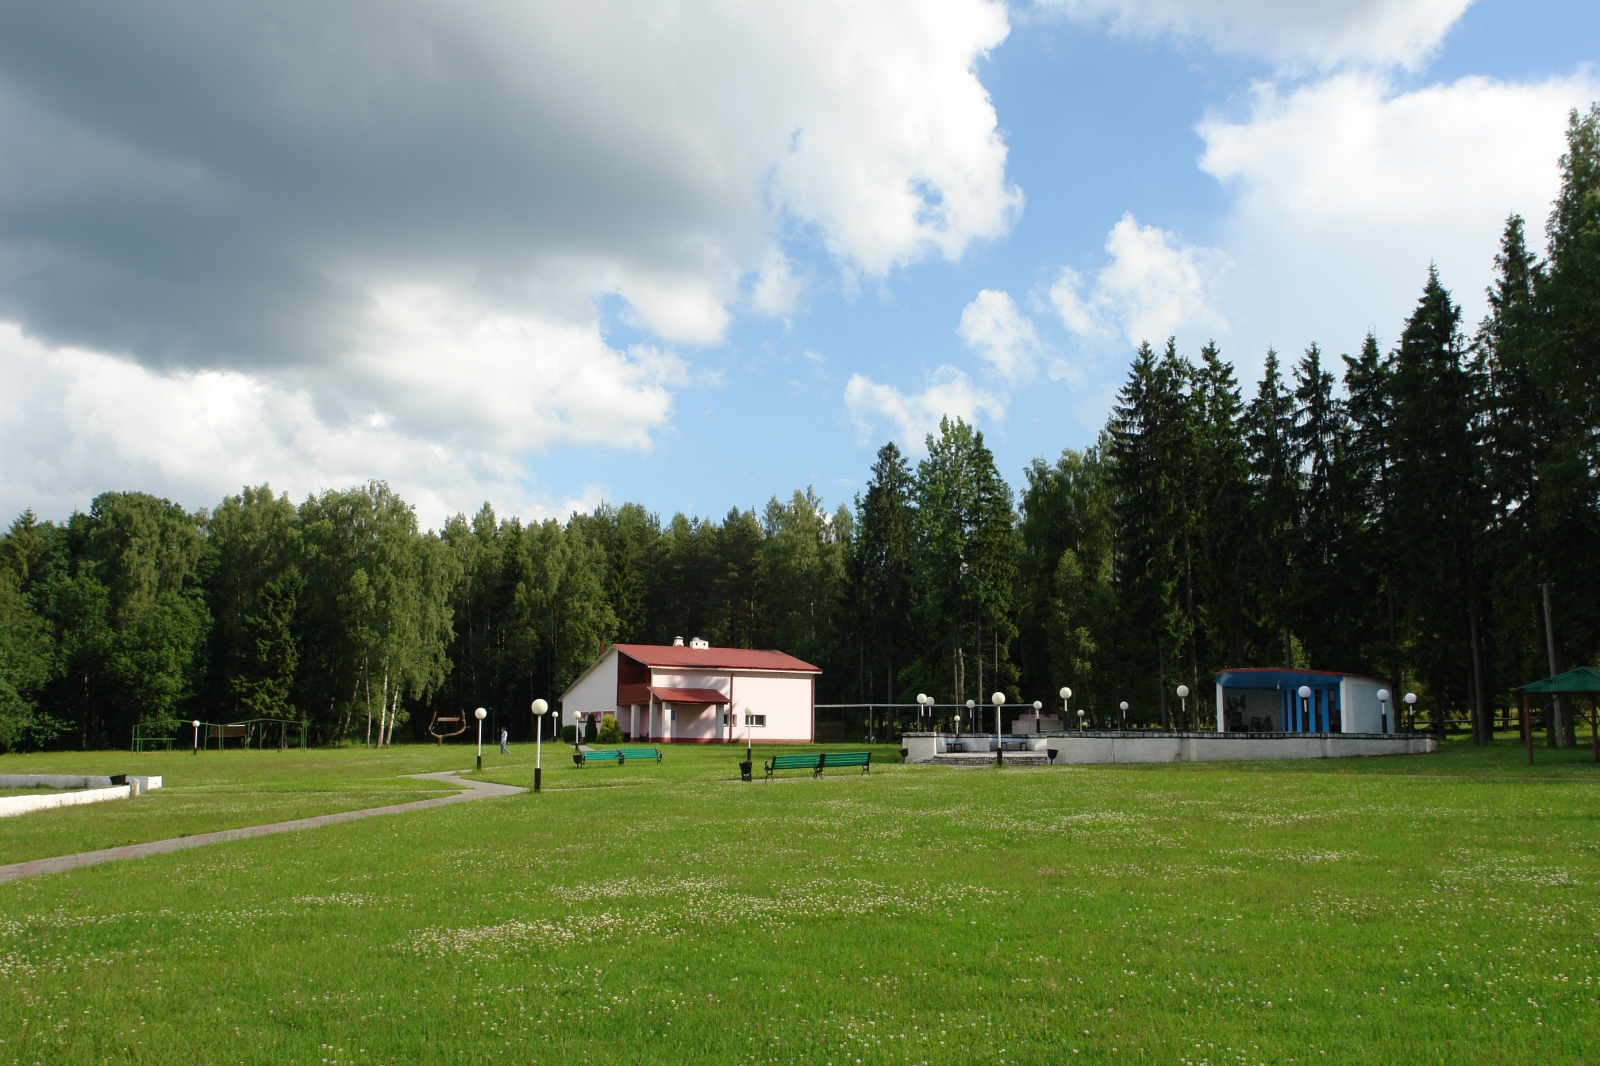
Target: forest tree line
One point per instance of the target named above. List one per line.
(1386, 512)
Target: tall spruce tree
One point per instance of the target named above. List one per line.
(1440, 502)
(1275, 484)
(880, 579)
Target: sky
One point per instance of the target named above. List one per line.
(696, 255)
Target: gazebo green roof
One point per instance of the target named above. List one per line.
(1584, 679)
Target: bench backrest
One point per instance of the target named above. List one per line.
(603, 756)
(796, 762)
(639, 753)
(846, 758)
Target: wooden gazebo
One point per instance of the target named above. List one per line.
(1584, 681)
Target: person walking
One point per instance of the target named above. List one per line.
(505, 735)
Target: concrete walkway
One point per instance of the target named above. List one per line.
(475, 790)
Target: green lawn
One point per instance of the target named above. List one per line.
(1424, 909)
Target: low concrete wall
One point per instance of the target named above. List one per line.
(1110, 747)
(14, 805)
(52, 781)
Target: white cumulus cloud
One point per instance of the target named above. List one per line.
(1323, 33)
(1152, 286)
(1346, 189)
(1001, 335)
(910, 417)
(74, 423)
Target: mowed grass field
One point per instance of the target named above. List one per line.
(1423, 909)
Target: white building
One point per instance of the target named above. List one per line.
(697, 694)
(1269, 701)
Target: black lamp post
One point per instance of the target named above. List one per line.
(539, 709)
(480, 714)
(999, 700)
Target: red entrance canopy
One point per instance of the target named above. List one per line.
(688, 695)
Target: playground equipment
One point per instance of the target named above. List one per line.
(260, 733)
(459, 721)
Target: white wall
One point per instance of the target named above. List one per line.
(1358, 698)
(784, 698)
(596, 692)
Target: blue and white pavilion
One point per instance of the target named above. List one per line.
(1256, 700)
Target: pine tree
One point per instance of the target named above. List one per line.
(1223, 489)
(1440, 503)
(1568, 369)
(1152, 488)
(1275, 485)
(881, 588)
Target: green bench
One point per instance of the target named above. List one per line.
(584, 758)
(617, 755)
(810, 761)
(863, 759)
(818, 761)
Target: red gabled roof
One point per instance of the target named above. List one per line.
(689, 695)
(665, 655)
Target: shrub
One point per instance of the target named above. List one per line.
(569, 734)
(589, 732)
(610, 731)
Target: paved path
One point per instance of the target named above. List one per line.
(475, 790)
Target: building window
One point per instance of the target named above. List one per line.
(756, 721)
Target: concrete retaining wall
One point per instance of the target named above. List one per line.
(1111, 747)
(78, 790)
(14, 805)
(52, 781)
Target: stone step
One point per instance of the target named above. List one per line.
(978, 758)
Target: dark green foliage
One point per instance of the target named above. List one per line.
(881, 591)
(27, 661)
(966, 553)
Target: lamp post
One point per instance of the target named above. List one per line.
(197, 736)
(539, 709)
(1081, 726)
(972, 721)
(1411, 711)
(1123, 706)
(749, 760)
(1037, 707)
(1305, 706)
(922, 706)
(480, 714)
(999, 699)
(1383, 709)
(1183, 701)
(1066, 705)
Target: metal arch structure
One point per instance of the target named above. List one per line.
(459, 721)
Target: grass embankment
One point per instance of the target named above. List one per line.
(1424, 909)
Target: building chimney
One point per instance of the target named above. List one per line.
(677, 642)
(696, 642)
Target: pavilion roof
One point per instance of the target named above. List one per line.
(1583, 679)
